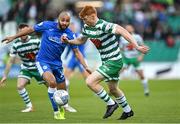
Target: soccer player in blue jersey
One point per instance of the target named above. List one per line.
(71, 61)
(48, 59)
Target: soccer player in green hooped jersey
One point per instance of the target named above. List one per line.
(132, 57)
(26, 48)
(103, 35)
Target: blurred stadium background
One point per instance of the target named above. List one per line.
(157, 21)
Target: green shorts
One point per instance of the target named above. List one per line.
(110, 69)
(28, 74)
(131, 61)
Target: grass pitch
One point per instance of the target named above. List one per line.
(162, 106)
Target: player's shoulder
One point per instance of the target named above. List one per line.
(48, 23)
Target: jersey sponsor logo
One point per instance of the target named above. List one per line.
(130, 46)
(54, 39)
(96, 42)
(98, 32)
(30, 56)
(45, 67)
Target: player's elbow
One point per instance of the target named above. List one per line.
(30, 30)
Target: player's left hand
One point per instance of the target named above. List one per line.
(2, 82)
(8, 39)
(143, 49)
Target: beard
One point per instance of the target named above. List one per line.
(63, 26)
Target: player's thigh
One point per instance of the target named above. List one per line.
(50, 79)
(24, 78)
(46, 73)
(94, 78)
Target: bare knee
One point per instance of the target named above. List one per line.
(89, 82)
(50, 79)
(52, 83)
(20, 86)
(113, 91)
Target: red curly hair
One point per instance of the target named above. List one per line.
(86, 11)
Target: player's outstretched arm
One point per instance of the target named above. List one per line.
(77, 41)
(80, 57)
(121, 31)
(25, 31)
(6, 71)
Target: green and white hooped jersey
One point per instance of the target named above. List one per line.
(103, 37)
(128, 50)
(27, 52)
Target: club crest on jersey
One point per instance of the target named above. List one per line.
(51, 29)
(96, 42)
(44, 67)
(130, 46)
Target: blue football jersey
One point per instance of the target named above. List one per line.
(51, 46)
(81, 48)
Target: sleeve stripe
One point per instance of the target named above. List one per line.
(114, 28)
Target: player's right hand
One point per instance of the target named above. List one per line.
(2, 82)
(143, 49)
(8, 39)
(64, 39)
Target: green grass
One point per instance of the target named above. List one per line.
(162, 106)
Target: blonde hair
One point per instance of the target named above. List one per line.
(86, 11)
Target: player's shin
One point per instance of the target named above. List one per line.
(50, 94)
(24, 95)
(145, 86)
(124, 104)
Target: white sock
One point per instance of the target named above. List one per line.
(123, 102)
(104, 96)
(145, 85)
(67, 84)
(66, 105)
(51, 90)
(24, 95)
